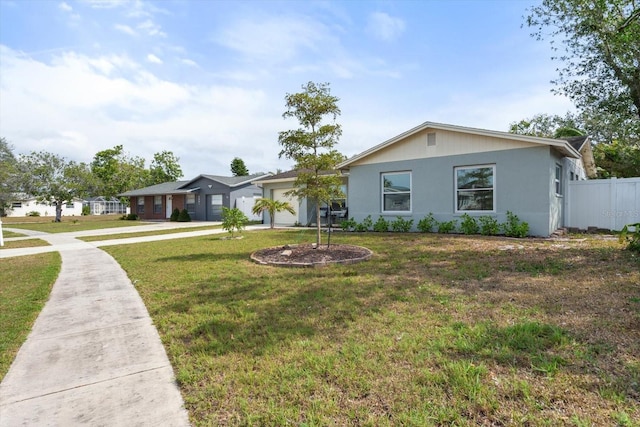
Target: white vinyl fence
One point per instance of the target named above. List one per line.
(603, 203)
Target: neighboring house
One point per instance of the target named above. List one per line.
(203, 197)
(586, 165)
(451, 170)
(24, 205)
(276, 186)
(105, 206)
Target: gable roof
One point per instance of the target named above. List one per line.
(158, 189)
(577, 141)
(230, 181)
(561, 145)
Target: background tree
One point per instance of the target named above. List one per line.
(616, 150)
(600, 48)
(9, 180)
(598, 43)
(238, 167)
(53, 179)
(271, 206)
(311, 146)
(165, 167)
(117, 172)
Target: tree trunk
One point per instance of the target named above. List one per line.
(319, 229)
(58, 211)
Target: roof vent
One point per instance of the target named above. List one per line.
(431, 139)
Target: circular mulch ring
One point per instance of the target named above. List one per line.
(307, 255)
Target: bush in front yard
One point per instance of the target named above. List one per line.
(514, 227)
(184, 216)
(175, 215)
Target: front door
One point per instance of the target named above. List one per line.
(169, 209)
(214, 207)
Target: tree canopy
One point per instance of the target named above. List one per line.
(51, 178)
(165, 167)
(9, 182)
(238, 168)
(599, 45)
(312, 145)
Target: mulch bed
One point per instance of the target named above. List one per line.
(307, 255)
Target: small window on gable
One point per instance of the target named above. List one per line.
(431, 139)
(396, 192)
(475, 188)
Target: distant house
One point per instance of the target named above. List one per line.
(276, 186)
(105, 206)
(203, 197)
(451, 170)
(25, 205)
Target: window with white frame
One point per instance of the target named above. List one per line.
(16, 205)
(396, 192)
(475, 188)
(558, 179)
(140, 208)
(157, 204)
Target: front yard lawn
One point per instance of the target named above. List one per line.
(433, 330)
(24, 289)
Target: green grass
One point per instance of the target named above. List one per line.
(146, 233)
(433, 330)
(74, 223)
(26, 243)
(25, 287)
(7, 234)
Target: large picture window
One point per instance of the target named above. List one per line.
(475, 188)
(396, 192)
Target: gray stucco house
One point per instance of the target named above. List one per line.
(203, 197)
(451, 170)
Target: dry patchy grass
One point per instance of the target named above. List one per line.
(433, 330)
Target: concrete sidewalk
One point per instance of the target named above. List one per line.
(93, 356)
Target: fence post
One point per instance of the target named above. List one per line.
(613, 197)
(1, 236)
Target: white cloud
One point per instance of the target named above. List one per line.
(151, 28)
(64, 6)
(275, 38)
(125, 29)
(154, 59)
(78, 105)
(105, 4)
(189, 62)
(385, 27)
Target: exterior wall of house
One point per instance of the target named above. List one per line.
(24, 207)
(521, 185)
(244, 198)
(300, 207)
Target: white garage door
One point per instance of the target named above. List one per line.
(284, 217)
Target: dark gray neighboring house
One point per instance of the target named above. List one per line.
(203, 197)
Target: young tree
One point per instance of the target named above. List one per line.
(271, 206)
(233, 220)
(311, 146)
(165, 167)
(238, 167)
(52, 179)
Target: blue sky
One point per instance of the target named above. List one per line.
(207, 79)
